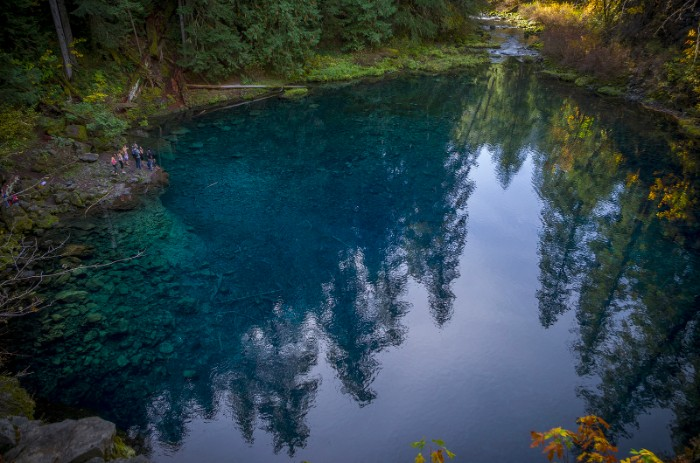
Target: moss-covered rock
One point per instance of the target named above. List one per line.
(691, 127)
(610, 91)
(46, 221)
(295, 93)
(20, 222)
(77, 132)
(584, 81)
(120, 449)
(77, 200)
(14, 401)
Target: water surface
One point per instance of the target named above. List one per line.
(466, 257)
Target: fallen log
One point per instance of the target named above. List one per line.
(237, 86)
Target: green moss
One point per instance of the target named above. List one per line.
(47, 221)
(566, 76)
(21, 223)
(325, 68)
(691, 127)
(16, 130)
(253, 93)
(610, 91)
(120, 449)
(435, 58)
(294, 93)
(14, 401)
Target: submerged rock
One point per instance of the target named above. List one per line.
(94, 317)
(77, 250)
(166, 348)
(71, 296)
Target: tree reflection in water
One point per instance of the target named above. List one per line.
(298, 239)
(628, 270)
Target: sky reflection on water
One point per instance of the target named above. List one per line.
(333, 278)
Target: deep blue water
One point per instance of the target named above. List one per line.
(466, 257)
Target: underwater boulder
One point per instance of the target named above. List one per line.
(71, 296)
(166, 348)
(77, 250)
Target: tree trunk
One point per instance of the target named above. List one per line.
(182, 24)
(697, 44)
(136, 35)
(65, 23)
(60, 32)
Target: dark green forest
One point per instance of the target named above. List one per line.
(212, 39)
(107, 65)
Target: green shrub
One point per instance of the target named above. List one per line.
(16, 130)
(294, 93)
(14, 401)
(324, 68)
(101, 122)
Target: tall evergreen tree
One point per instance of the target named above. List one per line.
(281, 33)
(431, 19)
(62, 33)
(110, 21)
(357, 24)
(213, 42)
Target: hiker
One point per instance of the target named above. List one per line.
(114, 164)
(135, 151)
(151, 159)
(120, 157)
(4, 196)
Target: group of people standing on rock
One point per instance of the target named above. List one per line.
(137, 153)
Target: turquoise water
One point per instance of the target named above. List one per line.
(463, 257)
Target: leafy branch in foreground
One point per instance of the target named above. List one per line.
(588, 443)
(437, 455)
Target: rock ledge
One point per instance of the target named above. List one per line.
(70, 441)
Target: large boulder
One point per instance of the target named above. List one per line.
(77, 132)
(89, 157)
(8, 435)
(77, 250)
(70, 441)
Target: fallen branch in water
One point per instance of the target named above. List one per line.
(238, 86)
(98, 201)
(19, 283)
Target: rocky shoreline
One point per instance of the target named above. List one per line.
(55, 185)
(25, 440)
(55, 182)
(88, 440)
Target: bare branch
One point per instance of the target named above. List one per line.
(98, 201)
(19, 284)
(688, 5)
